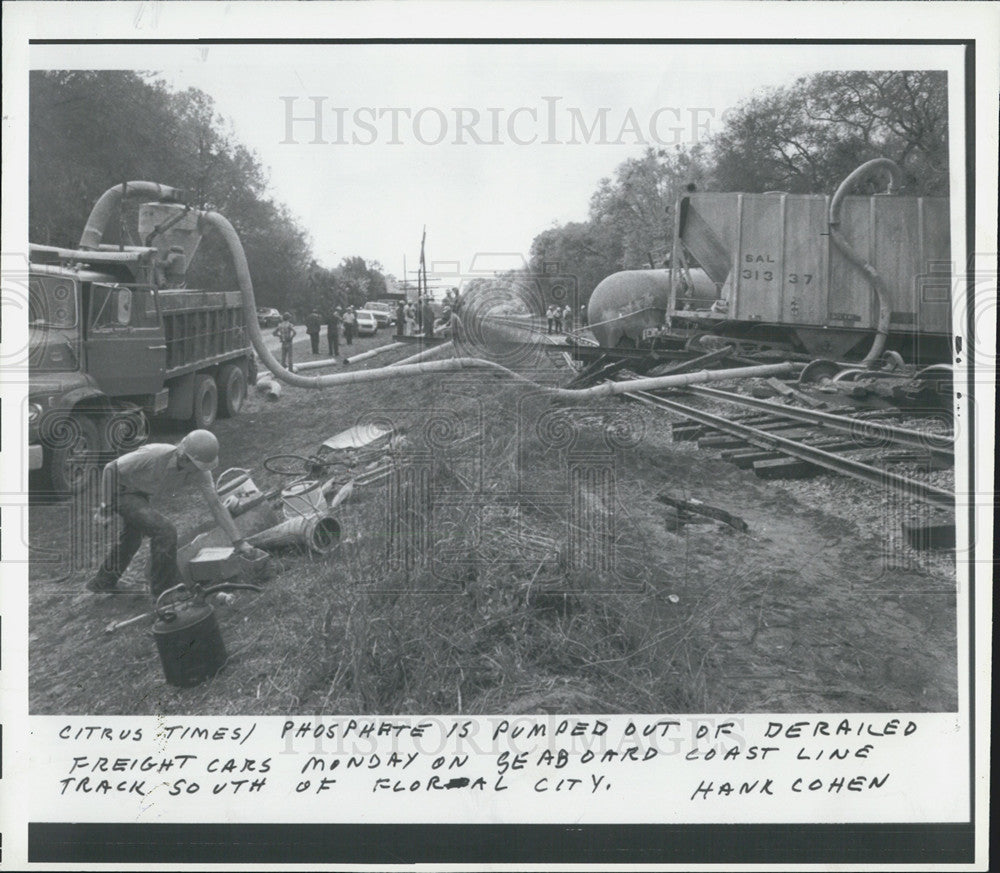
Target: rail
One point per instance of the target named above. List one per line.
(900, 436)
(827, 460)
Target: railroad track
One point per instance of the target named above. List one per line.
(778, 441)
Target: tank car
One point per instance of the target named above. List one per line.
(625, 306)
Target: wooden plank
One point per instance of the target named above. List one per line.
(789, 391)
(744, 460)
(784, 468)
(721, 442)
(696, 507)
(930, 534)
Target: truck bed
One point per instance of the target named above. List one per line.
(202, 328)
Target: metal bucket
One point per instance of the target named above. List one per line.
(235, 486)
(189, 642)
(257, 568)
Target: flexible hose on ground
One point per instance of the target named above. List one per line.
(844, 247)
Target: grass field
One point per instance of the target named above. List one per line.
(518, 561)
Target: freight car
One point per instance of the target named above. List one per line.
(843, 277)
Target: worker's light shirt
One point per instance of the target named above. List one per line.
(152, 469)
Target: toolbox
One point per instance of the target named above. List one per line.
(214, 564)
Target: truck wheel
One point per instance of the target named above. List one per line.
(206, 401)
(232, 390)
(125, 430)
(77, 454)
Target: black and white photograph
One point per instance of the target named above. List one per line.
(622, 400)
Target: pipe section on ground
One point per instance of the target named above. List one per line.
(371, 353)
(318, 365)
(319, 533)
(844, 247)
(425, 354)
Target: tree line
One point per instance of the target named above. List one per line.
(92, 129)
(802, 138)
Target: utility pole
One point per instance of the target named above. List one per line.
(423, 261)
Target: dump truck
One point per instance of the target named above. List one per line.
(115, 337)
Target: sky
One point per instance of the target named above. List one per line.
(485, 145)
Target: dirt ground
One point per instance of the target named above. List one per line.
(815, 608)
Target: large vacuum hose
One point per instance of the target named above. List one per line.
(841, 244)
(110, 200)
(232, 240)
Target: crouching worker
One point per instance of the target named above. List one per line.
(129, 486)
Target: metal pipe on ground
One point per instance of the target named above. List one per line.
(425, 354)
(364, 356)
(319, 533)
(318, 365)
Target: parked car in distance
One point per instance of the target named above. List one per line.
(384, 314)
(267, 316)
(367, 324)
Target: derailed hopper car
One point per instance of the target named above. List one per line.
(771, 269)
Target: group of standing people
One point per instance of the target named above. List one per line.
(411, 320)
(337, 319)
(416, 319)
(559, 318)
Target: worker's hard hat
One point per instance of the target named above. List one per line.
(201, 448)
(177, 249)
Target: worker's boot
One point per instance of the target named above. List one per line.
(103, 582)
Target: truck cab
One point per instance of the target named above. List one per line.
(94, 340)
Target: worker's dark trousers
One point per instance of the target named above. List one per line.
(314, 342)
(286, 355)
(139, 520)
(348, 333)
(332, 345)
